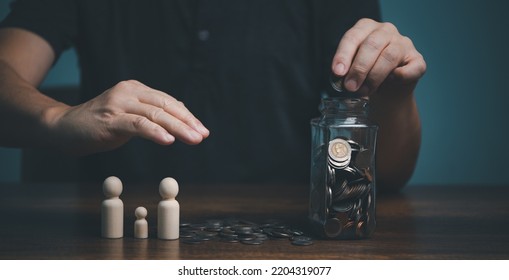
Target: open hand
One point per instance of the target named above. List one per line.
(128, 109)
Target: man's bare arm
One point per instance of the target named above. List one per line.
(378, 62)
(106, 122)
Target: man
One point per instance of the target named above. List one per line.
(253, 72)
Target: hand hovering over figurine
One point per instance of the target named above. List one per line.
(377, 61)
(128, 109)
(107, 121)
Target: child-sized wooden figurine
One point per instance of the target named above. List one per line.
(141, 224)
(168, 210)
(112, 209)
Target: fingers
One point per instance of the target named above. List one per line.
(170, 123)
(157, 110)
(383, 65)
(349, 45)
(370, 51)
(173, 107)
(136, 125)
(413, 68)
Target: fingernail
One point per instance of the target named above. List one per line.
(195, 136)
(339, 69)
(169, 138)
(204, 132)
(351, 85)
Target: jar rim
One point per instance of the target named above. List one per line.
(344, 103)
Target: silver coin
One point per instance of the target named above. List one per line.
(252, 242)
(354, 145)
(280, 234)
(338, 165)
(186, 234)
(214, 229)
(332, 227)
(272, 222)
(234, 231)
(243, 230)
(338, 190)
(331, 175)
(206, 233)
(336, 83)
(342, 206)
(339, 150)
(344, 217)
(354, 191)
(227, 235)
(198, 226)
(247, 237)
(300, 238)
(214, 223)
(203, 238)
(302, 242)
(261, 236)
(328, 193)
(296, 232)
(227, 231)
(352, 172)
(230, 240)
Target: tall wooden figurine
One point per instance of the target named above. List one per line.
(112, 209)
(168, 210)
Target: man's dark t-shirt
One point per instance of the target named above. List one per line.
(252, 71)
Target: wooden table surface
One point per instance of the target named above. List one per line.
(62, 221)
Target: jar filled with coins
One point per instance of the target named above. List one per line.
(342, 189)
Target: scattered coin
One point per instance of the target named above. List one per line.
(187, 234)
(342, 206)
(230, 240)
(252, 242)
(302, 242)
(245, 232)
(300, 238)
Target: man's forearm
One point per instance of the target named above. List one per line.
(22, 111)
(399, 137)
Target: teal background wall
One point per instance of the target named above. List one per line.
(462, 98)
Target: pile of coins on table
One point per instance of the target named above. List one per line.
(349, 201)
(241, 231)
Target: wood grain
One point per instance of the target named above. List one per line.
(62, 221)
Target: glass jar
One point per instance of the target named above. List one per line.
(342, 189)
